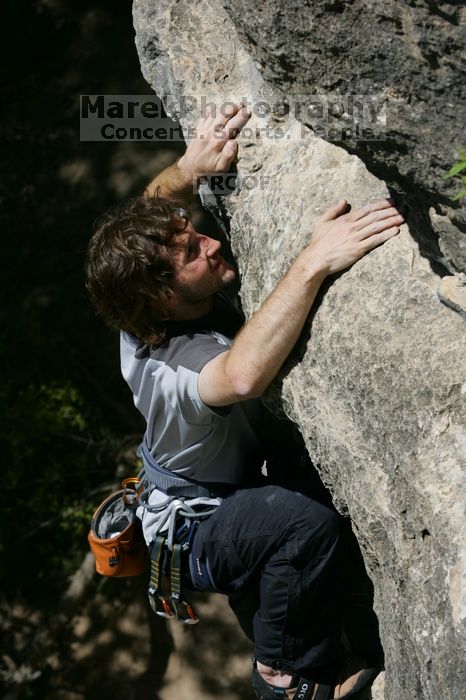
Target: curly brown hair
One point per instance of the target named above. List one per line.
(129, 270)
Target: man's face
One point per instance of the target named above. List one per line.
(200, 270)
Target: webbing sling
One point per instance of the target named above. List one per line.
(184, 611)
(158, 601)
(170, 602)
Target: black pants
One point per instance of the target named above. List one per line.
(280, 557)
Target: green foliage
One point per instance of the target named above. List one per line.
(53, 459)
(61, 407)
(456, 170)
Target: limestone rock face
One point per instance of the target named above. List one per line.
(413, 54)
(377, 381)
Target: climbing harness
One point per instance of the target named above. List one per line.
(182, 504)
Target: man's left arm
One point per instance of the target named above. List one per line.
(211, 151)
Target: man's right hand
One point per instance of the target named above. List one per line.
(340, 238)
(214, 148)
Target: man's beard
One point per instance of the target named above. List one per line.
(200, 294)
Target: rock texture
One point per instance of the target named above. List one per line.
(377, 381)
(411, 53)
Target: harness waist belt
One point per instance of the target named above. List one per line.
(174, 485)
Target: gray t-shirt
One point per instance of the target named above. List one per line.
(184, 434)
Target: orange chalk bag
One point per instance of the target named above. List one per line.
(115, 537)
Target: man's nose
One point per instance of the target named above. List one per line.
(212, 246)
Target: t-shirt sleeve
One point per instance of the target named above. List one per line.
(178, 370)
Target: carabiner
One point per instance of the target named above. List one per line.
(160, 604)
(190, 617)
(131, 488)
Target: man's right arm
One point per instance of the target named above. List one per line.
(266, 340)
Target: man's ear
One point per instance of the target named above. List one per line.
(171, 301)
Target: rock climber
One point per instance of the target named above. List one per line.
(197, 372)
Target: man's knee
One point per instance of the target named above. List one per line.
(331, 526)
(320, 527)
